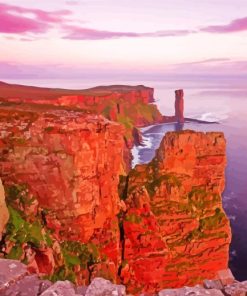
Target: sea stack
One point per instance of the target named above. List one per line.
(179, 105)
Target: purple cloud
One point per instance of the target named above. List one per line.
(80, 33)
(14, 20)
(237, 25)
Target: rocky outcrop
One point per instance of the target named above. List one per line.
(60, 170)
(179, 106)
(175, 230)
(4, 214)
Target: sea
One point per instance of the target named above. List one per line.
(221, 100)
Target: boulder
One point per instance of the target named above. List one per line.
(60, 288)
(27, 286)
(102, 287)
(188, 291)
(10, 272)
(226, 277)
(236, 289)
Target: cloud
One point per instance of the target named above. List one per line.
(207, 61)
(80, 33)
(22, 21)
(193, 71)
(19, 20)
(237, 25)
(72, 3)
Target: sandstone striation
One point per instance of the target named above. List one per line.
(175, 230)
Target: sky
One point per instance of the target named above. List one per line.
(155, 39)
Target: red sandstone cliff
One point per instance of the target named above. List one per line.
(130, 106)
(175, 230)
(60, 162)
(61, 172)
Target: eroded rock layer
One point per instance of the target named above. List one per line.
(175, 230)
(60, 170)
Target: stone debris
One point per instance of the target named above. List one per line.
(60, 288)
(10, 272)
(226, 277)
(236, 289)
(213, 284)
(188, 291)
(15, 281)
(102, 287)
(28, 286)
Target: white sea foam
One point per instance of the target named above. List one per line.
(232, 217)
(146, 143)
(211, 116)
(227, 197)
(136, 156)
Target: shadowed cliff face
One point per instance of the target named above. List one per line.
(175, 230)
(4, 214)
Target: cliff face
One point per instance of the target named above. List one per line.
(130, 106)
(4, 214)
(60, 170)
(175, 230)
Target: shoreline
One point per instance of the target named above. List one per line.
(141, 144)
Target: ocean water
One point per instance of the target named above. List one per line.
(221, 100)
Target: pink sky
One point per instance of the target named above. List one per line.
(73, 39)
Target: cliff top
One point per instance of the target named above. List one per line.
(52, 117)
(25, 92)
